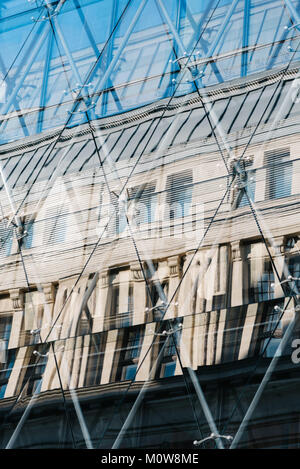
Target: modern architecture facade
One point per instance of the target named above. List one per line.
(150, 260)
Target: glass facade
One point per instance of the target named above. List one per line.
(149, 237)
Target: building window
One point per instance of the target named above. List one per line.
(267, 332)
(28, 238)
(233, 330)
(55, 226)
(129, 356)
(34, 373)
(125, 317)
(250, 184)
(179, 194)
(279, 173)
(7, 358)
(118, 221)
(294, 271)
(272, 329)
(33, 315)
(155, 291)
(145, 203)
(130, 299)
(5, 370)
(170, 344)
(95, 360)
(261, 288)
(155, 294)
(6, 239)
(114, 306)
(5, 330)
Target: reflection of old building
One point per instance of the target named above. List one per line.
(184, 275)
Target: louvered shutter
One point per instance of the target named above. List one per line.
(179, 194)
(279, 173)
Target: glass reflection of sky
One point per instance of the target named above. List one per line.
(83, 39)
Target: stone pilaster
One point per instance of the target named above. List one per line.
(139, 294)
(109, 355)
(145, 368)
(102, 290)
(49, 300)
(237, 274)
(174, 278)
(17, 299)
(278, 255)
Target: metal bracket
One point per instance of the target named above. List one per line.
(281, 310)
(49, 8)
(38, 354)
(76, 91)
(289, 279)
(190, 65)
(213, 436)
(169, 332)
(83, 111)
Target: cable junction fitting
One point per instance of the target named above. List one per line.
(75, 92)
(38, 354)
(169, 332)
(196, 75)
(37, 331)
(186, 63)
(160, 307)
(281, 310)
(288, 28)
(212, 436)
(289, 279)
(88, 108)
(21, 236)
(49, 9)
(79, 87)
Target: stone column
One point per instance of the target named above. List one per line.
(139, 294)
(63, 352)
(220, 336)
(260, 185)
(174, 278)
(211, 337)
(277, 252)
(18, 372)
(143, 372)
(109, 355)
(49, 299)
(247, 331)
(187, 289)
(201, 322)
(237, 275)
(103, 290)
(65, 368)
(17, 299)
(84, 360)
(185, 347)
(77, 362)
(124, 279)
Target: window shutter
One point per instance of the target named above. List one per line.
(279, 173)
(179, 193)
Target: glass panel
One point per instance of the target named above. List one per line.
(144, 302)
